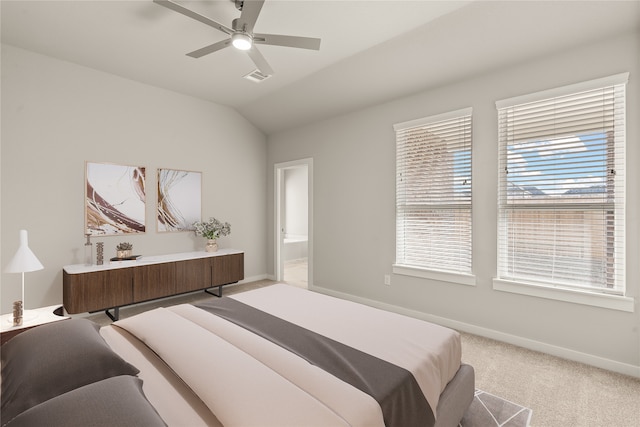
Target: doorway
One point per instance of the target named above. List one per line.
(294, 222)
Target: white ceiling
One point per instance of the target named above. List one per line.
(371, 51)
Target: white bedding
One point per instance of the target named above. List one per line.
(172, 398)
(431, 352)
(231, 369)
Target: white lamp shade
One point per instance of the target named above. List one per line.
(24, 260)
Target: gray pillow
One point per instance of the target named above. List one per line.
(53, 359)
(117, 401)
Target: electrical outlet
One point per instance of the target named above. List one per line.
(387, 279)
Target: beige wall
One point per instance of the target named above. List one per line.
(57, 115)
(354, 210)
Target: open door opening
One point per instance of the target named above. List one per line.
(294, 222)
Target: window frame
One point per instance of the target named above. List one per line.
(581, 295)
(422, 271)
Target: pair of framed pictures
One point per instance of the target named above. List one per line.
(115, 199)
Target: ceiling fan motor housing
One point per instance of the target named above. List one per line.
(236, 26)
(241, 33)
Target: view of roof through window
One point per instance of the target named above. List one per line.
(574, 165)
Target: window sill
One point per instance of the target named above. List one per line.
(443, 276)
(613, 302)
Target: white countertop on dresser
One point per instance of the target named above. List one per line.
(146, 260)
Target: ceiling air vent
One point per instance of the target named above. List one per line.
(256, 76)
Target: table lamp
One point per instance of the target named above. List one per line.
(24, 261)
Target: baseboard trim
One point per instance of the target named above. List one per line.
(562, 352)
(255, 278)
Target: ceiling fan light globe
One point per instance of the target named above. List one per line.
(241, 41)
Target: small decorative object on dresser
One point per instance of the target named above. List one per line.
(211, 245)
(211, 230)
(100, 253)
(88, 250)
(124, 250)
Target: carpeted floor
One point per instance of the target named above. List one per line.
(560, 392)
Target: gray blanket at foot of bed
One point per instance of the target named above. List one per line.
(393, 387)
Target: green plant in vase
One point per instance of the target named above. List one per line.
(212, 230)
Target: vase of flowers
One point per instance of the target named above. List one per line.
(124, 250)
(212, 230)
(211, 245)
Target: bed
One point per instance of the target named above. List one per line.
(273, 356)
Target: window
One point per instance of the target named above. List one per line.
(433, 193)
(562, 187)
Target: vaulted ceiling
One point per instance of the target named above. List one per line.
(371, 51)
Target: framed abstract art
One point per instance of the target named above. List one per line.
(114, 199)
(179, 199)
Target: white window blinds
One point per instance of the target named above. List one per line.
(433, 192)
(562, 187)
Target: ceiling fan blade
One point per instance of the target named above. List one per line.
(191, 14)
(209, 49)
(288, 41)
(260, 62)
(249, 16)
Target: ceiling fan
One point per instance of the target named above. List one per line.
(241, 33)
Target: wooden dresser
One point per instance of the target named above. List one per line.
(90, 288)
